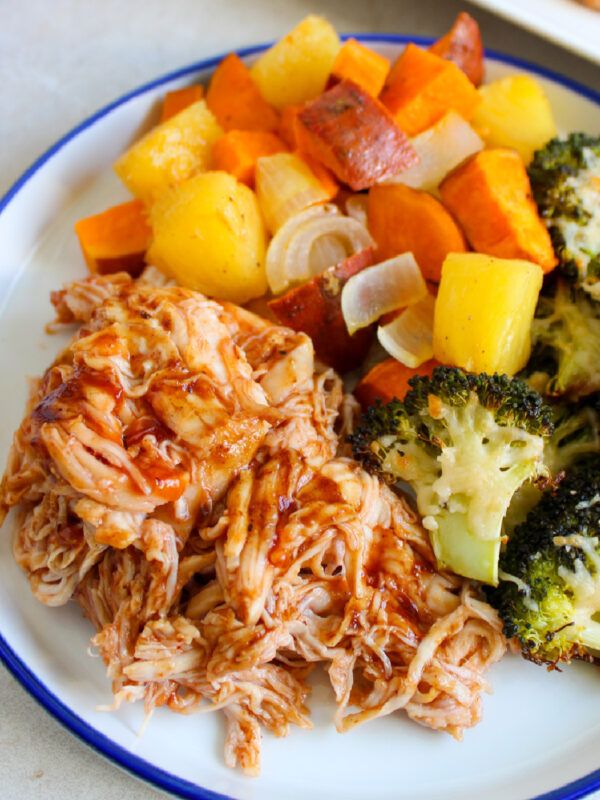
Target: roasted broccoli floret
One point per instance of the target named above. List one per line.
(549, 594)
(464, 443)
(576, 434)
(565, 336)
(565, 179)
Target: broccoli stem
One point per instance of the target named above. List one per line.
(462, 551)
(468, 542)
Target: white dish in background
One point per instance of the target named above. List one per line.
(565, 22)
(540, 734)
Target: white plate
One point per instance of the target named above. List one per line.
(566, 22)
(540, 732)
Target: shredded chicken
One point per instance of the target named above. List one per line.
(181, 473)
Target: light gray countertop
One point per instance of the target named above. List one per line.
(60, 60)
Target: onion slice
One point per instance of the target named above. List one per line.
(310, 242)
(356, 207)
(409, 337)
(385, 287)
(285, 185)
(440, 148)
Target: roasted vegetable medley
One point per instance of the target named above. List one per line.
(413, 214)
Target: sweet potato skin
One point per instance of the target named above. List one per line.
(490, 196)
(422, 87)
(116, 239)
(179, 99)
(236, 101)
(388, 380)
(462, 45)
(315, 308)
(402, 220)
(353, 135)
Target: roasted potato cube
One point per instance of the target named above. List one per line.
(208, 234)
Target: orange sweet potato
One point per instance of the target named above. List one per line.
(236, 101)
(422, 87)
(462, 44)
(403, 220)
(490, 196)
(360, 64)
(116, 239)
(179, 99)
(353, 135)
(237, 152)
(287, 124)
(316, 309)
(387, 380)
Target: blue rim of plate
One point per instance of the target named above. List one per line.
(105, 746)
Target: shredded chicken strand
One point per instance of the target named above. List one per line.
(182, 473)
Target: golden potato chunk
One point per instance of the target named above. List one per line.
(208, 234)
(483, 312)
(170, 152)
(514, 112)
(296, 68)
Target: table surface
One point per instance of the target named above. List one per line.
(62, 60)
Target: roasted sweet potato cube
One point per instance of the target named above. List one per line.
(354, 135)
(406, 220)
(422, 87)
(316, 309)
(389, 379)
(115, 240)
(236, 101)
(360, 64)
(287, 124)
(237, 152)
(462, 45)
(490, 197)
(179, 99)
